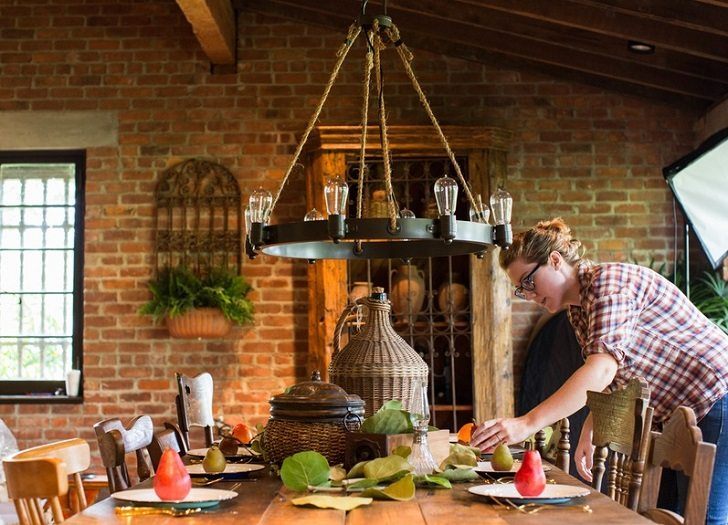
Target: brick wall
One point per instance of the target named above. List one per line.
(591, 156)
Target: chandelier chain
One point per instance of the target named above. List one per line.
(368, 64)
(383, 132)
(354, 31)
(406, 56)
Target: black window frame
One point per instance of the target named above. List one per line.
(46, 391)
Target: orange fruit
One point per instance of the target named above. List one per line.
(465, 433)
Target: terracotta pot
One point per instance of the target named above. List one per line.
(408, 289)
(452, 292)
(358, 290)
(208, 323)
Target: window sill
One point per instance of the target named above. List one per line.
(40, 400)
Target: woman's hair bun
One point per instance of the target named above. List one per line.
(556, 226)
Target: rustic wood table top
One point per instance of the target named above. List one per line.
(266, 502)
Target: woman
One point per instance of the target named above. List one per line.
(630, 321)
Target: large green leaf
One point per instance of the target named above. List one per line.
(303, 470)
(435, 482)
(458, 474)
(460, 455)
(332, 502)
(383, 468)
(357, 471)
(401, 490)
(388, 421)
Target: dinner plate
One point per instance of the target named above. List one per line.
(243, 452)
(487, 468)
(232, 470)
(197, 498)
(551, 493)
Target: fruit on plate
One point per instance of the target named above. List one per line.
(229, 445)
(502, 460)
(214, 460)
(530, 479)
(466, 433)
(242, 433)
(171, 481)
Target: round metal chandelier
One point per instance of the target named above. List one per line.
(401, 234)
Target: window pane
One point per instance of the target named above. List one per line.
(10, 190)
(55, 315)
(55, 271)
(9, 271)
(57, 192)
(33, 217)
(32, 266)
(30, 311)
(56, 216)
(33, 192)
(9, 360)
(33, 238)
(11, 216)
(10, 238)
(58, 238)
(9, 314)
(54, 365)
(30, 362)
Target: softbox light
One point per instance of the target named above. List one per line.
(699, 182)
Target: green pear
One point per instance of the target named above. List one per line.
(214, 460)
(502, 459)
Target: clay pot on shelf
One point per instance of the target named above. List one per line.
(358, 290)
(452, 298)
(408, 289)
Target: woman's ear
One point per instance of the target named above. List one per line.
(555, 259)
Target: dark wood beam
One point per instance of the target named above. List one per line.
(474, 41)
(213, 22)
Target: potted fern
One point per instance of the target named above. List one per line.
(710, 295)
(199, 306)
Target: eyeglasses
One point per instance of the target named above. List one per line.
(527, 284)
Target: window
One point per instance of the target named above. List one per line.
(41, 271)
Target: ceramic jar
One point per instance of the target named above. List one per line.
(408, 289)
(452, 298)
(358, 290)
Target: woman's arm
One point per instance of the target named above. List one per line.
(595, 374)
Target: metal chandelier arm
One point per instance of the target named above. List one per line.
(406, 56)
(342, 52)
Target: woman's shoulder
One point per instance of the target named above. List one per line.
(624, 278)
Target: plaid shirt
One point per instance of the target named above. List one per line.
(653, 331)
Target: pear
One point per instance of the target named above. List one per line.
(214, 460)
(502, 459)
(530, 479)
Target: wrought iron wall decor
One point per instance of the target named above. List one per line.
(198, 220)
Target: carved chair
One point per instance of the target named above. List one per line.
(42, 473)
(169, 438)
(194, 405)
(679, 447)
(116, 440)
(621, 426)
(562, 448)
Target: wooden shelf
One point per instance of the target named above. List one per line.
(449, 408)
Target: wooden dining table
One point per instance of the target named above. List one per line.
(266, 502)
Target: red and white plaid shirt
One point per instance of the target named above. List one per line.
(653, 331)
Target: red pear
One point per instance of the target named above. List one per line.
(530, 479)
(171, 481)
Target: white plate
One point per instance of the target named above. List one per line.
(230, 468)
(243, 452)
(198, 497)
(551, 493)
(487, 467)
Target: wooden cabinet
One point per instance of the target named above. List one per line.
(455, 311)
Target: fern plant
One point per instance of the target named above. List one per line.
(710, 295)
(177, 290)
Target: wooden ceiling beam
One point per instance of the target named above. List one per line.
(588, 65)
(214, 24)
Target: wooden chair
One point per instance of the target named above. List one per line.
(194, 405)
(679, 447)
(42, 473)
(170, 437)
(562, 448)
(116, 440)
(621, 426)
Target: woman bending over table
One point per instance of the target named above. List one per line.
(630, 321)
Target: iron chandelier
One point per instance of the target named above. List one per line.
(401, 234)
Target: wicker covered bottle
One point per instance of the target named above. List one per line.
(377, 364)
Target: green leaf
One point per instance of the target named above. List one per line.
(402, 490)
(459, 474)
(393, 404)
(357, 471)
(388, 421)
(304, 469)
(460, 455)
(332, 502)
(403, 451)
(362, 484)
(435, 482)
(382, 468)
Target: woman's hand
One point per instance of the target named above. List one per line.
(584, 455)
(495, 431)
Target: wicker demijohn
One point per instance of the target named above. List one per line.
(377, 364)
(312, 415)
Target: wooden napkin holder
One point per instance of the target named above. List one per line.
(364, 447)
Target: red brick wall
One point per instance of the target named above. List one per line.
(591, 156)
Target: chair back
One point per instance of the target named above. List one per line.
(563, 447)
(169, 438)
(621, 425)
(116, 440)
(194, 405)
(41, 473)
(680, 447)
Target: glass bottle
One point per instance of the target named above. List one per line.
(421, 457)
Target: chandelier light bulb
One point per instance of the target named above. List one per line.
(501, 203)
(481, 213)
(260, 203)
(313, 215)
(336, 193)
(446, 195)
(406, 213)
